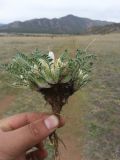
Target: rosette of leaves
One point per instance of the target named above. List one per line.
(55, 79)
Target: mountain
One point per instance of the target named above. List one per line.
(69, 24)
(112, 28)
(1, 24)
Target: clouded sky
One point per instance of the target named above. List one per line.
(11, 10)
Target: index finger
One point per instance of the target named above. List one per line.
(20, 120)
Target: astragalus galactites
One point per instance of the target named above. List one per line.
(56, 79)
(43, 70)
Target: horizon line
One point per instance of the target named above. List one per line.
(56, 18)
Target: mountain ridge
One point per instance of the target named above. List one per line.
(1, 24)
(69, 24)
(112, 28)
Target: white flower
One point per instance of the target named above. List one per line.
(51, 55)
(21, 76)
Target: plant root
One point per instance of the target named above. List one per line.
(54, 139)
(57, 96)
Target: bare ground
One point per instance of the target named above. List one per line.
(71, 152)
(5, 103)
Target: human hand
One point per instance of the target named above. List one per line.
(21, 132)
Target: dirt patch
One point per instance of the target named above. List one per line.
(5, 103)
(72, 151)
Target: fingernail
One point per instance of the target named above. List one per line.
(51, 122)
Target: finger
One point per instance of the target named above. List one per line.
(40, 145)
(39, 154)
(19, 120)
(42, 152)
(30, 135)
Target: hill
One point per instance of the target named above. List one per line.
(1, 24)
(112, 28)
(69, 24)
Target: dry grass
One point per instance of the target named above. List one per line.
(92, 113)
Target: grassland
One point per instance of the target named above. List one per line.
(93, 114)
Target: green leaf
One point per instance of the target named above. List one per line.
(38, 70)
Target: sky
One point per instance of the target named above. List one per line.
(12, 10)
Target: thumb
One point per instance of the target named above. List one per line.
(26, 137)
